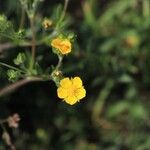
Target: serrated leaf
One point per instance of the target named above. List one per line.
(7, 31)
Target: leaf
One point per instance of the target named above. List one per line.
(7, 31)
(138, 111)
(13, 75)
(20, 59)
(116, 109)
(125, 78)
(116, 9)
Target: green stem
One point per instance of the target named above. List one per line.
(33, 39)
(22, 19)
(99, 103)
(6, 35)
(11, 67)
(63, 14)
(59, 62)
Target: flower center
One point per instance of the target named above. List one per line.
(72, 91)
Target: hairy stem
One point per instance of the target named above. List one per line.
(22, 19)
(63, 13)
(11, 67)
(33, 38)
(10, 88)
(59, 62)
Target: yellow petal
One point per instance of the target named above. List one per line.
(65, 49)
(62, 93)
(70, 100)
(63, 45)
(80, 93)
(66, 83)
(56, 43)
(67, 44)
(77, 82)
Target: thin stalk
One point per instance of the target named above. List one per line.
(4, 46)
(7, 36)
(22, 19)
(100, 102)
(33, 49)
(59, 62)
(11, 67)
(63, 13)
(14, 86)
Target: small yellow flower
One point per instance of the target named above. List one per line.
(47, 23)
(71, 90)
(63, 45)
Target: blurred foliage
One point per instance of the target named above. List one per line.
(7, 30)
(111, 55)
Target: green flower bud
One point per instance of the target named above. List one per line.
(13, 75)
(20, 59)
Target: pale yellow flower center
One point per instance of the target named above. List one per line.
(72, 91)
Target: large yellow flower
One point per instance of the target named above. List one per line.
(63, 45)
(71, 90)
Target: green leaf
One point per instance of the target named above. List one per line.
(138, 111)
(13, 75)
(7, 31)
(20, 59)
(116, 109)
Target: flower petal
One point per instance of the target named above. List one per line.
(56, 43)
(70, 100)
(80, 93)
(61, 92)
(66, 83)
(77, 82)
(65, 47)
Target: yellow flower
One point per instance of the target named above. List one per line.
(63, 45)
(47, 23)
(71, 90)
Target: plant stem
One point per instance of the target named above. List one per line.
(18, 84)
(33, 39)
(99, 103)
(22, 19)
(10, 88)
(63, 13)
(65, 8)
(59, 62)
(11, 67)
(22, 43)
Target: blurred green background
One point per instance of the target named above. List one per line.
(112, 56)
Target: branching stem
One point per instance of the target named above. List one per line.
(11, 67)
